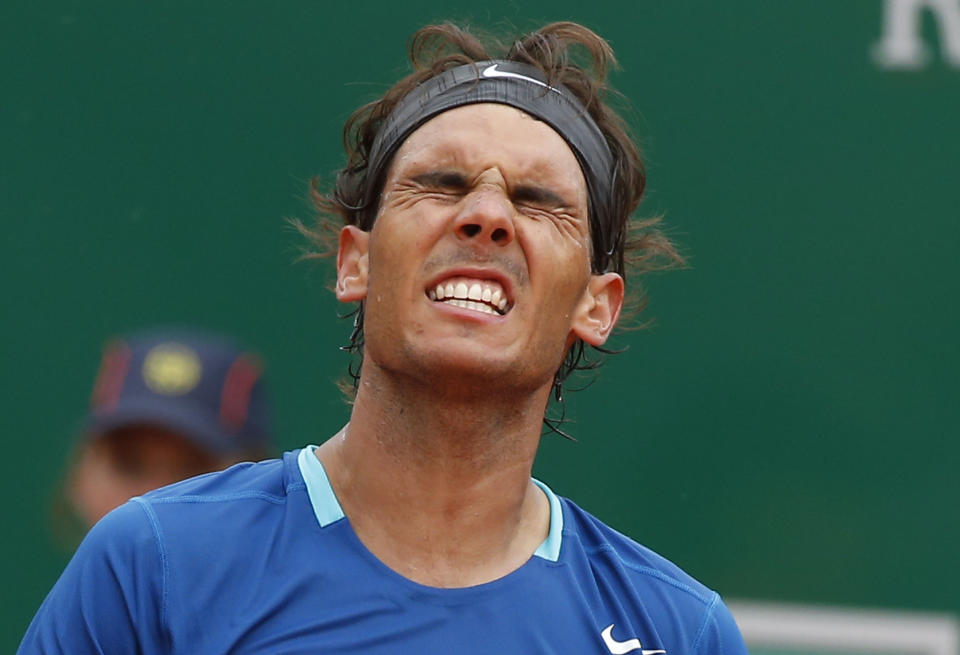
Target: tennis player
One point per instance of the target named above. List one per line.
(486, 203)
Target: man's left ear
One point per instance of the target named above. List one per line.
(599, 308)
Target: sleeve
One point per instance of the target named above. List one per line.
(110, 597)
(719, 634)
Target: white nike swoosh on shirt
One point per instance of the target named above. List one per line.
(621, 647)
(492, 71)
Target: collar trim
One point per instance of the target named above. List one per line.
(327, 510)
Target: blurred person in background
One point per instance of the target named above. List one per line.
(166, 405)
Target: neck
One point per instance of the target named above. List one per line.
(436, 483)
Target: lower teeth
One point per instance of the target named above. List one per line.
(469, 304)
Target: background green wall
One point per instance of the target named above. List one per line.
(786, 430)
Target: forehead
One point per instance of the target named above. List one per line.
(489, 134)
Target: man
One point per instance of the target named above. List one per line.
(168, 404)
(486, 204)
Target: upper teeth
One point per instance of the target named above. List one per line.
(480, 295)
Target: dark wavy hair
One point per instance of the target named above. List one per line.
(567, 53)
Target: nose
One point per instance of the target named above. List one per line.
(486, 217)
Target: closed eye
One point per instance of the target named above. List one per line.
(538, 197)
(542, 202)
(444, 181)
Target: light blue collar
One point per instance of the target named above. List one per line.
(327, 508)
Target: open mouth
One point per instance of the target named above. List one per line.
(485, 296)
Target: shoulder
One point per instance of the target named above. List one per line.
(267, 480)
(599, 541)
(110, 598)
(140, 576)
(196, 512)
(219, 508)
(138, 525)
(692, 614)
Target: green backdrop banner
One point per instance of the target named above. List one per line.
(786, 430)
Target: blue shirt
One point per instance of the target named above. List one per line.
(260, 559)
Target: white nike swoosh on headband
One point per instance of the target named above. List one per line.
(491, 71)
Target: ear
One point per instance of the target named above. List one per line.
(352, 264)
(599, 309)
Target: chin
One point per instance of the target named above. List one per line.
(483, 374)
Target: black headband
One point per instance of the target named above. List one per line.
(524, 87)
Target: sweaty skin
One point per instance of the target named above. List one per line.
(434, 467)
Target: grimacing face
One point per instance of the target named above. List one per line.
(479, 260)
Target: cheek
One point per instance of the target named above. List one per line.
(396, 240)
(559, 262)
(400, 248)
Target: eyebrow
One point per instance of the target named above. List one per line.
(524, 192)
